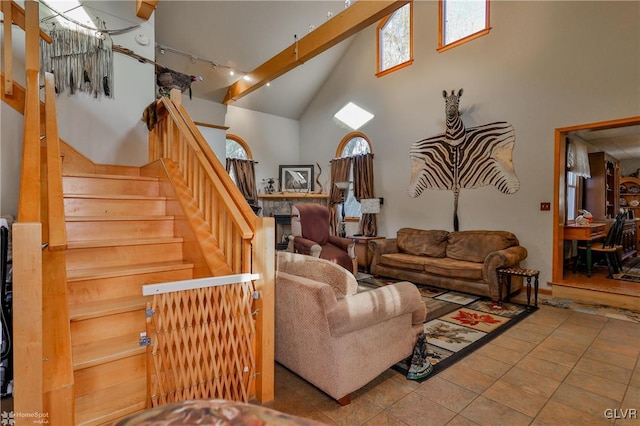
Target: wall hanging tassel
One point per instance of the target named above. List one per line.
(80, 59)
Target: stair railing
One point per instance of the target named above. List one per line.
(246, 242)
(42, 351)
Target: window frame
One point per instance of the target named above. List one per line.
(379, 28)
(240, 142)
(343, 143)
(441, 24)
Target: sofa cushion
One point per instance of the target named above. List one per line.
(403, 261)
(475, 246)
(432, 243)
(454, 268)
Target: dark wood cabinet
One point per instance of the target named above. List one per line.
(602, 192)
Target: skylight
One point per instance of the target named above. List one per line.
(353, 116)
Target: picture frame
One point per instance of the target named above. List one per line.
(296, 178)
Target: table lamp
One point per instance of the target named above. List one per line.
(342, 186)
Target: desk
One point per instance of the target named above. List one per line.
(587, 233)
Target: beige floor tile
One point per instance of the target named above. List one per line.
(583, 400)
(467, 377)
(515, 397)
(520, 333)
(624, 346)
(635, 379)
(487, 412)
(531, 382)
(622, 328)
(460, 420)
(587, 320)
(609, 357)
(555, 413)
(446, 393)
(597, 385)
(574, 333)
(559, 344)
(387, 391)
(499, 353)
(538, 328)
(489, 366)
(544, 368)
(555, 356)
(384, 419)
(416, 410)
(606, 371)
(358, 412)
(508, 342)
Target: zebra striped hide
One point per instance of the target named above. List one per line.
(483, 157)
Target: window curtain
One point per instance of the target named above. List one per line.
(245, 174)
(363, 188)
(578, 157)
(340, 169)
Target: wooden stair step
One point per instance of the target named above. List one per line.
(116, 218)
(115, 197)
(124, 242)
(118, 271)
(110, 184)
(108, 176)
(113, 205)
(112, 254)
(111, 403)
(102, 351)
(103, 308)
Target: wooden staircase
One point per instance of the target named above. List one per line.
(118, 239)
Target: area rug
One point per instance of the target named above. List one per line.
(457, 323)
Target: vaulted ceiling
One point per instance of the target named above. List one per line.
(243, 35)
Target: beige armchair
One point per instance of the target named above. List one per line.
(333, 337)
(310, 236)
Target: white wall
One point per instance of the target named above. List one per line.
(273, 140)
(201, 110)
(109, 131)
(544, 65)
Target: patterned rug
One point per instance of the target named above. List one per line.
(457, 323)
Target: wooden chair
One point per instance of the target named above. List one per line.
(610, 248)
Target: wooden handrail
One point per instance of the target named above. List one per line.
(55, 203)
(245, 228)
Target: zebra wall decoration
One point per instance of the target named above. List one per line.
(463, 158)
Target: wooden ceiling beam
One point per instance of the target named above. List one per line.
(350, 21)
(144, 8)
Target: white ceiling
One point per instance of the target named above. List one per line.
(621, 143)
(243, 35)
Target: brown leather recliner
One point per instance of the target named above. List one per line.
(311, 236)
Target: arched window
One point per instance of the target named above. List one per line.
(355, 143)
(461, 21)
(236, 147)
(395, 41)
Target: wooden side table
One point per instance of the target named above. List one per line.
(527, 273)
(362, 250)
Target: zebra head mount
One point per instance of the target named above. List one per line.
(452, 103)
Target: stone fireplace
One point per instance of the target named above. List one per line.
(279, 206)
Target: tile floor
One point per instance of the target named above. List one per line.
(556, 367)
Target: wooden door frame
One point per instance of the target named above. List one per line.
(559, 193)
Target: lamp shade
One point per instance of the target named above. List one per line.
(342, 185)
(370, 205)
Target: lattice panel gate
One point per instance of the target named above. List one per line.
(201, 345)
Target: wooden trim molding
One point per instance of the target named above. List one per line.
(444, 47)
(144, 8)
(345, 140)
(211, 126)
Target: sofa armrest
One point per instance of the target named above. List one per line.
(345, 244)
(365, 309)
(378, 248)
(511, 256)
(305, 246)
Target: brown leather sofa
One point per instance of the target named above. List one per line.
(464, 261)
